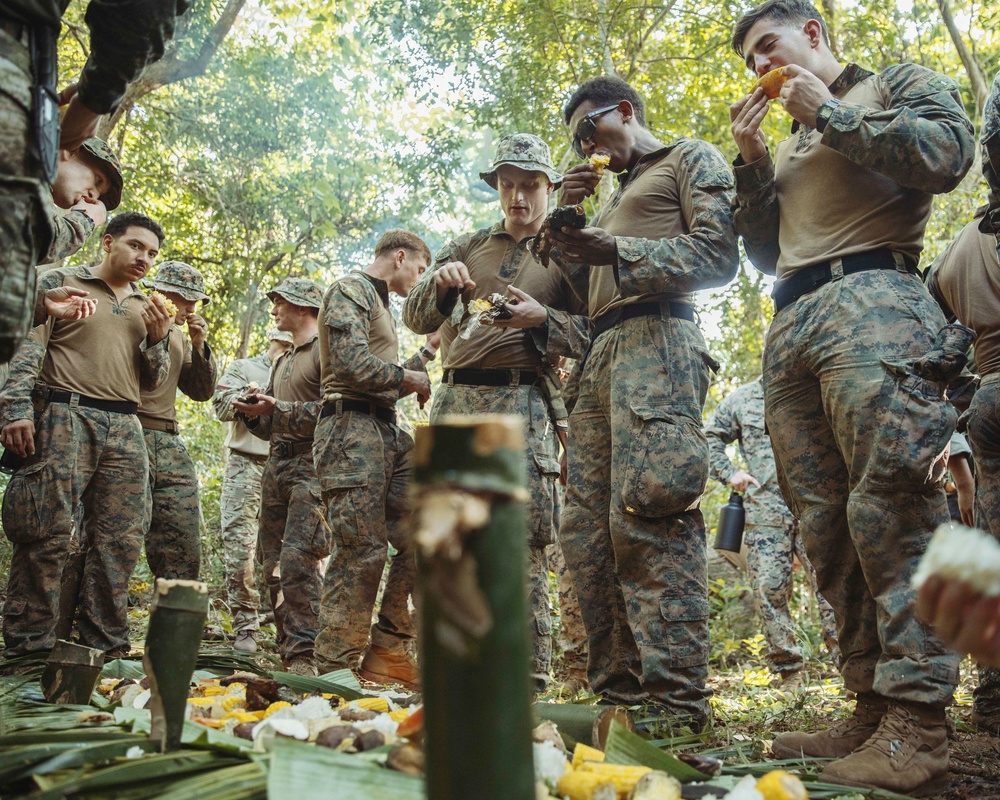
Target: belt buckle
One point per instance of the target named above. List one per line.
(74, 400)
(280, 449)
(451, 378)
(514, 377)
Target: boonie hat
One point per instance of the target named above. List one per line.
(100, 150)
(524, 151)
(298, 292)
(274, 335)
(180, 278)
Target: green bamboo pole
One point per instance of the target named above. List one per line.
(470, 532)
(71, 673)
(176, 621)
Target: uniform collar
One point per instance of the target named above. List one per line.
(380, 286)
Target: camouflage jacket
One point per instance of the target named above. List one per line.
(125, 37)
(991, 161)
(70, 231)
(923, 140)
(740, 418)
(234, 382)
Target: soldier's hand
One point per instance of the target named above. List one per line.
(453, 275)
(417, 382)
(67, 302)
(527, 311)
(591, 246)
(157, 319)
(579, 183)
(802, 94)
(78, 124)
(740, 480)
(94, 209)
(262, 406)
(197, 330)
(745, 118)
(963, 619)
(19, 436)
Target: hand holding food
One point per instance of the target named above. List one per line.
(562, 217)
(771, 82)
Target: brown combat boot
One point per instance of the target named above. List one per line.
(382, 665)
(909, 749)
(838, 741)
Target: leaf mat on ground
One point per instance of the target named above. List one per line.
(341, 683)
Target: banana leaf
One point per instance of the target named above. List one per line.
(333, 683)
(241, 782)
(625, 747)
(193, 734)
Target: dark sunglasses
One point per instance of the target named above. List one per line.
(586, 128)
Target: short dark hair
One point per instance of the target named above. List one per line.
(783, 11)
(398, 239)
(120, 223)
(606, 90)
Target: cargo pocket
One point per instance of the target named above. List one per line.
(686, 630)
(543, 506)
(667, 468)
(26, 515)
(915, 424)
(342, 493)
(320, 544)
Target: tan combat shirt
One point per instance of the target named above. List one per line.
(193, 372)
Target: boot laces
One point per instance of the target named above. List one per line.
(895, 731)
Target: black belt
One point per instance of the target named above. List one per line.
(812, 277)
(371, 409)
(607, 321)
(489, 377)
(74, 399)
(289, 449)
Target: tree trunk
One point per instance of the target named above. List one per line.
(977, 76)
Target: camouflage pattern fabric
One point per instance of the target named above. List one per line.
(632, 533)
(524, 151)
(540, 608)
(239, 508)
(772, 537)
(572, 634)
(860, 443)
(363, 465)
(990, 140)
(294, 540)
(70, 231)
(173, 513)
(85, 457)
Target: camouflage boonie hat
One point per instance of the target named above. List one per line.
(298, 292)
(524, 151)
(274, 335)
(100, 150)
(180, 278)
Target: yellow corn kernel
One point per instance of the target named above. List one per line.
(243, 716)
(599, 161)
(233, 701)
(781, 785)
(374, 704)
(579, 785)
(211, 690)
(583, 752)
(204, 702)
(400, 714)
(623, 776)
(171, 308)
(276, 706)
(479, 304)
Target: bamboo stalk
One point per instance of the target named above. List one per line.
(470, 534)
(176, 621)
(71, 673)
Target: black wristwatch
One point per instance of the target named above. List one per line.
(427, 353)
(824, 112)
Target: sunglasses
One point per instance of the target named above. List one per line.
(587, 127)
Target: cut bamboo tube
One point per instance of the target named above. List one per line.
(71, 673)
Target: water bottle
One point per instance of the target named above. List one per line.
(729, 534)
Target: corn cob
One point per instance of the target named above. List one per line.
(171, 308)
(276, 706)
(583, 752)
(203, 702)
(579, 785)
(623, 776)
(600, 161)
(400, 714)
(233, 701)
(374, 704)
(212, 691)
(243, 716)
(781, 785)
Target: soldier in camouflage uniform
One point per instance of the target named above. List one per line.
(772, 533)
(854, 367)
(632, 531)
(29, 227)
(965, 280)
(83, 442)
(509, 367)
(239, 505)
(293, 537)
(173, 517)
(363, 461)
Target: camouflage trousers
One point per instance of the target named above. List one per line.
(771, 551)
(294, 540)
(173, 514)
(83, 458)
(984, 438)
(363, 465)
(542, 461)
(632, 533)
(24, 227)
(858, 439)
(572, 634)
(239, 508)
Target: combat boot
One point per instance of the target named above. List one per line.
(909, 749)
(382, 665)
(840, 740)
(246, 641)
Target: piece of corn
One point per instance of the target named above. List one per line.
(243, 716)
(479, 304)
(623, 776)
(171, 308)
(400, 714)
(379, 704)
(600, 161)
(212, 691)
(583, 752)
(781, 785)
(276, 706)
(204, 702)
(233, 701)
(579, 785)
